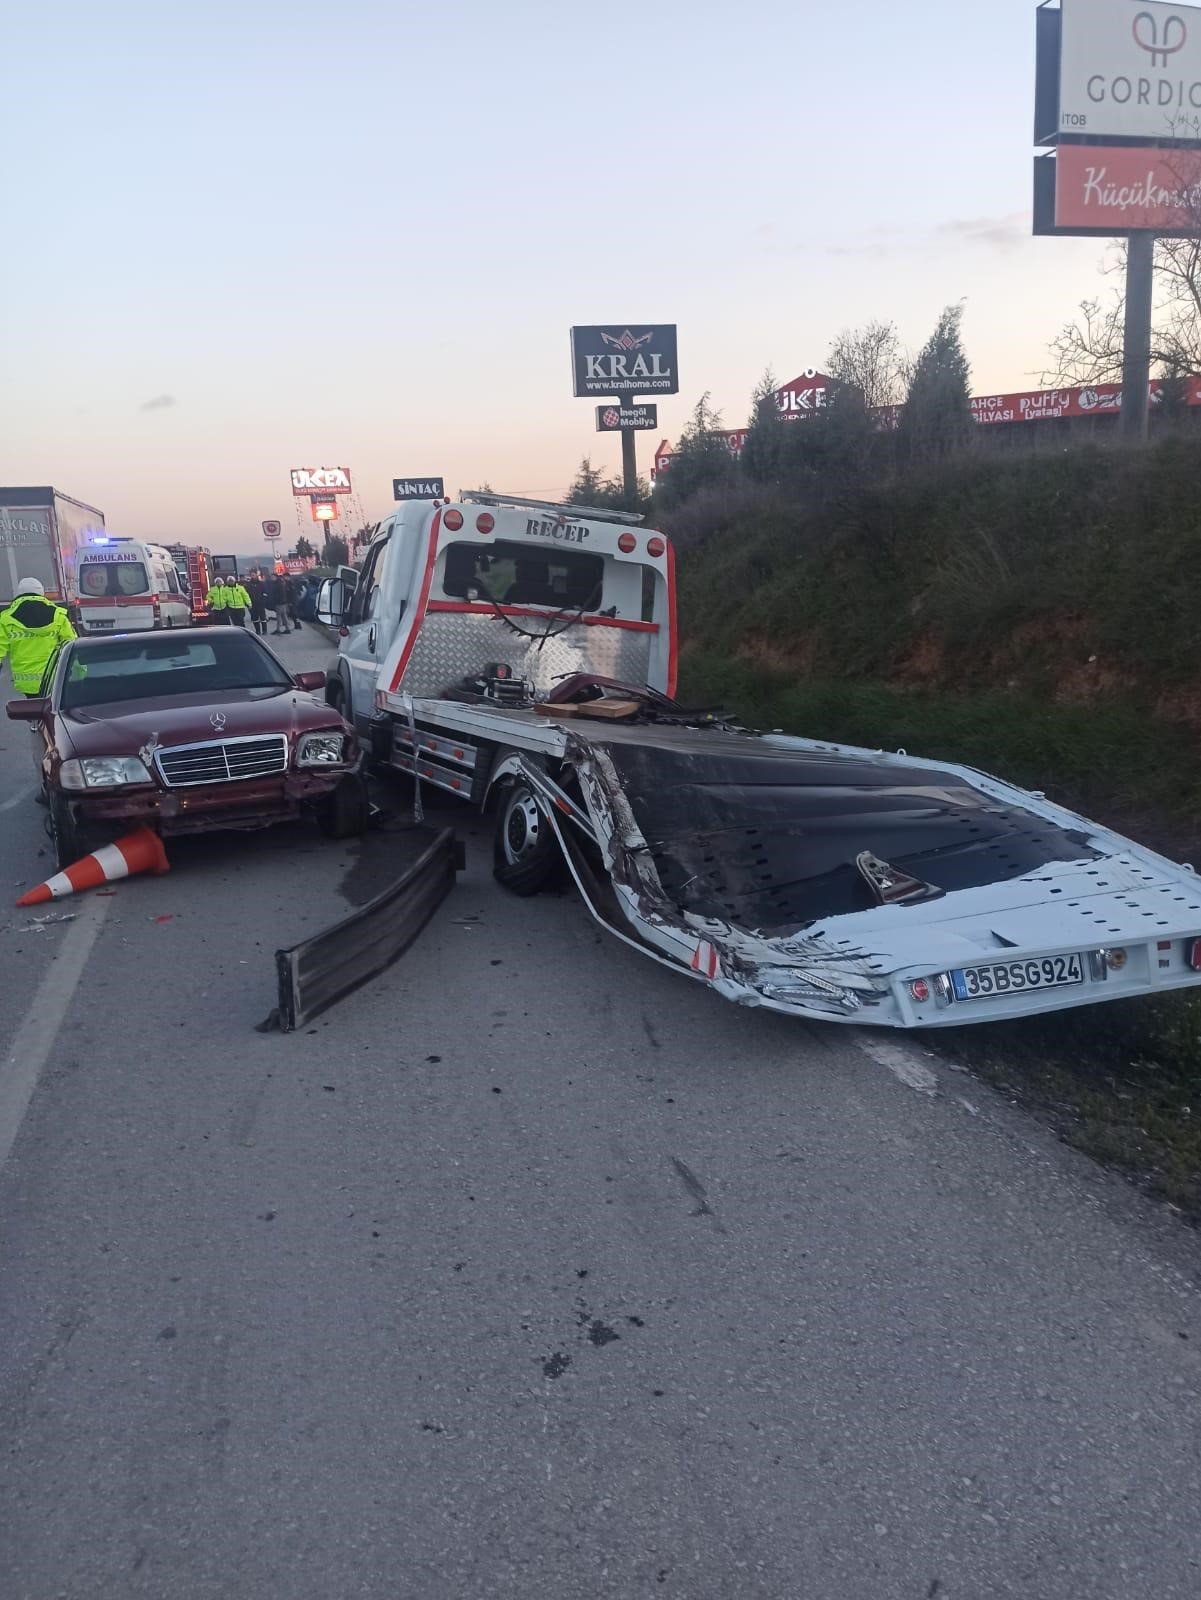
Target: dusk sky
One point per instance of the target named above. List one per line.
(250, 236)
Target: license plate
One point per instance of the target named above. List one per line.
(1016, 977)
(93, 626)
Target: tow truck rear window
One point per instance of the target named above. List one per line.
(515, 575)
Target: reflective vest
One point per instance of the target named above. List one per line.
(218, 597)
(31, 631)
(236, 598)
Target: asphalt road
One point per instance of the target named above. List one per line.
(533, 1269)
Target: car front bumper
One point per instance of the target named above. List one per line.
(251, 803)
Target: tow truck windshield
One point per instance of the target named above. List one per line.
(514, 575)
(101, 672)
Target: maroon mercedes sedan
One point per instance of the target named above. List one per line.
(189, 731)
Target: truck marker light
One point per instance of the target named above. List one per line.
(1194, 955)
(655, 547)
(453, 520)
(1115, 960)
(485, 522)
(919, 989)
(627, 543)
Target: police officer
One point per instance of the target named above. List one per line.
(31, 631)
(237, 603)
(217, 601)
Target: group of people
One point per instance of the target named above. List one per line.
(229, 600)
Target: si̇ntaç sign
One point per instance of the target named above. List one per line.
(624, 359)
(418, 489)
(1130, 71)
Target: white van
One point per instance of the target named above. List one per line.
(125, 586)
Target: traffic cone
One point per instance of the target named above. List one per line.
(139, 851)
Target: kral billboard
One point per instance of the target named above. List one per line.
(321, 480)
(624, 359)
(1130, 71)
(1118, 189)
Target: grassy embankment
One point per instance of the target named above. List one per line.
(1038, 618)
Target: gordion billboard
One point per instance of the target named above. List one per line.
(1130, 71)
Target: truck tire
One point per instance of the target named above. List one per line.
(526, 854)
(346, 812)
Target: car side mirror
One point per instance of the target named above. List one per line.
(310, 680)
(333, 602)
(34, 710)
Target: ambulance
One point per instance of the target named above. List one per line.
(127, 586)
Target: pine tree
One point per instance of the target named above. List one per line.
(936, 420)
(765, 433)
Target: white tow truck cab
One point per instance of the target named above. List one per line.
(520, 593)
(126, 586)
(522, 656)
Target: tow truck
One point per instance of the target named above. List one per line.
(521, 655)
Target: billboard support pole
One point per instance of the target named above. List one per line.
(629, 465)
(1136, 350)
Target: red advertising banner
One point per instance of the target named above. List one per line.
(1124, 188)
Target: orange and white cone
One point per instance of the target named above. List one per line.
(139, 851)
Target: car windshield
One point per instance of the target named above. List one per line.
(100, 672)
(123, 575)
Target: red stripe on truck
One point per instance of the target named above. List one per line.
(468, 608)
(427, 578)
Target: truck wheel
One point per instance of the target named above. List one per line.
(526, 855)
(66, 835)
(335, 697)
(346, 812)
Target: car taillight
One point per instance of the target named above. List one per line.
(485, 522)
(453, 520)
(1194, 954)
(919, 989)
(627, 543)
(655, 547)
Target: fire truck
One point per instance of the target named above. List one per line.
(193, 563)
(521, 656)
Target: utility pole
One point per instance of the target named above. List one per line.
(629, 464)
(1136, 351)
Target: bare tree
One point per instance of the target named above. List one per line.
(1089, 348)
(872, 360)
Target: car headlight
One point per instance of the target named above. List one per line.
(103, 772)
(321, 750)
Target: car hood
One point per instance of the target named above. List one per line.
(124, 728)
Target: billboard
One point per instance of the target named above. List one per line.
(1130, 72)
(418, 489)
(611, 419)
(624, 358)
(804, 396)
(1119, 189)
(321, 480)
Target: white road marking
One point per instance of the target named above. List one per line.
(901, 1060)
(16, 799)
(34, 1039)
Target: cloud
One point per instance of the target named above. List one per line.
(998, 233)
(161, 402)
(992, 233)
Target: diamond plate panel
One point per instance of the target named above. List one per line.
(451, 646)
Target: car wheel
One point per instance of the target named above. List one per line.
(65, 833)
(346, 812)
(526, 854)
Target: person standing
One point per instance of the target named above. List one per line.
(277, 600)
(32, 629)
(257, 590)
(237, 603)
(217, 601)
(296, 593)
